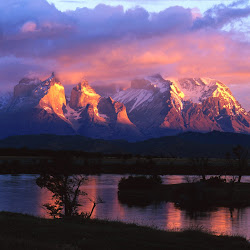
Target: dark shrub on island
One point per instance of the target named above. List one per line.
(139, 182)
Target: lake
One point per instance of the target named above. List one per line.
(19, 193)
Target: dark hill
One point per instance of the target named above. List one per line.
(190, 144)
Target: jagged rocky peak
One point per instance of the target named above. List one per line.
(34, 94)
(52, 95)
(83, 94)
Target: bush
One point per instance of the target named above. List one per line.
(139, 182)
(215, 180)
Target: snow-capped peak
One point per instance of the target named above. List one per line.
(199, 89)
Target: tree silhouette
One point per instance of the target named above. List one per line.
(199, 165)
(242, 157)
(66, 192)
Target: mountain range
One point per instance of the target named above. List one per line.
(150, 107)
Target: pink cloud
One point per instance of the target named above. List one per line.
(29, 27)
(113, 45)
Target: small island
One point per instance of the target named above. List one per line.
(203, 193)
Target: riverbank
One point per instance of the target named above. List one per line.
(19, 231)
(100, 164)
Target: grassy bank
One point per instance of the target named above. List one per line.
(19, 231)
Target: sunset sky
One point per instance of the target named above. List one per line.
(115, 41)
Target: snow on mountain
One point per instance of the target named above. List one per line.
(158, 82)
(195, 90)
(186, 89)
(151, 107)
(199, 89)
(200, 104)
(139, 96)
(142, 91)
(73, 117)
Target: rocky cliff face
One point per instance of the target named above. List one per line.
(98, 117)
(114, 112)
(52, 96)
(83, 94)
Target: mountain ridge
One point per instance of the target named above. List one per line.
(189, 144)
(174, 106)
(151, 107)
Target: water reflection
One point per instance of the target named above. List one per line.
(173, 217)
(20, 194)
(44, 197)
(90, 187)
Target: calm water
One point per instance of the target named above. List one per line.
(20, 194)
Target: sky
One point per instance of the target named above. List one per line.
(149, 5)
(116, 41)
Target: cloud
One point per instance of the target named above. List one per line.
(112, 44)
(222, 14)
(28, 27)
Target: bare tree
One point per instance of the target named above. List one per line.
(87, 215)
(66, 192)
